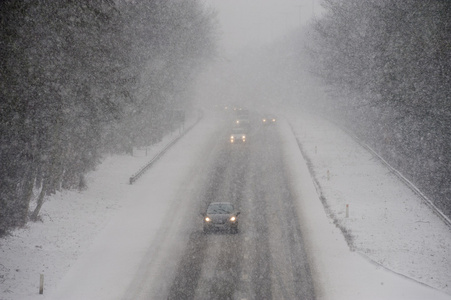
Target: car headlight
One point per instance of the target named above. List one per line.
(233, 219)
(207, 219)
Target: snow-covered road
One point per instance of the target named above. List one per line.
(267, 258)
(93, 248)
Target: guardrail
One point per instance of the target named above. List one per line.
(406, 181)
(138, 174)
(398, 174)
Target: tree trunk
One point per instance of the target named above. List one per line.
(26, 196)
(35, 214)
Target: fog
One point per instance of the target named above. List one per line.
(254, 23)
(261, 60)
(378, 70)
(91, 91)
(80, 82)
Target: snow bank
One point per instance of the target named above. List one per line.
(394, 235)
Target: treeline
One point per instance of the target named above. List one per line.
(388, 63)
(79, 79)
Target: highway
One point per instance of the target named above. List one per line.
(265, 260)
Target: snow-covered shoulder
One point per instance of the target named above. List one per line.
(389, 251)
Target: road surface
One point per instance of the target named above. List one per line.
(265, 260)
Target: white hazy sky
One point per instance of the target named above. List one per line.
(255, 22)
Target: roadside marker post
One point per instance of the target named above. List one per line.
(41, 284)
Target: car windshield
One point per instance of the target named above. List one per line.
(223, 208)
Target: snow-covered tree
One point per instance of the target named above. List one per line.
(83, 78)
(392, 60)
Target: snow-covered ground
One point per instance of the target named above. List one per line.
(399, 248)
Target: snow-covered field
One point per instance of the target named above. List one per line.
(399, 248)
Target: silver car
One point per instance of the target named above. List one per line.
(220, 216)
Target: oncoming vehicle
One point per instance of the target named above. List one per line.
(238, 135)
(220, 216)
(266, 120)
(242, 123)
(242, 113)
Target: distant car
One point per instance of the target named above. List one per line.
(242, 113)
(238, 135)
(243, 123)
(268, 119)
(220, 216)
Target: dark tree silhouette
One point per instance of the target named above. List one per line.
(80, 79)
